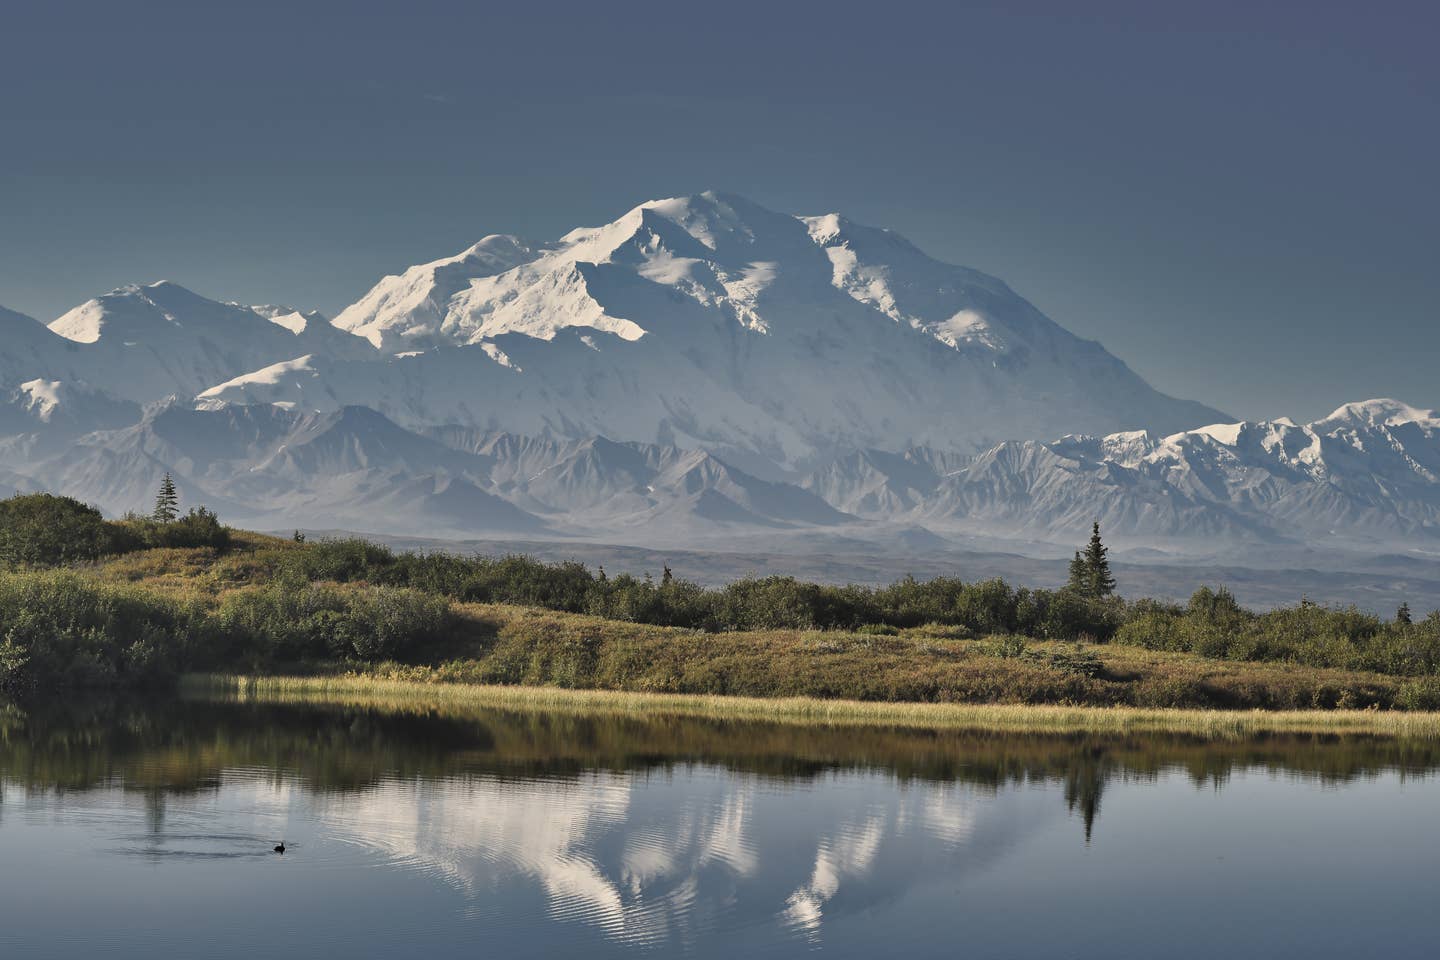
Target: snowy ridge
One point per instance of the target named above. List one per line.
(711, 321)
(144, 343)
(1368, 472)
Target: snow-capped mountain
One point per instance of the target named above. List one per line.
(1368, 472)
(711, 321)
(699, 366)
(42, 416)
(704, 321)
(142, 344)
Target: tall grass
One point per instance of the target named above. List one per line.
(383, 693)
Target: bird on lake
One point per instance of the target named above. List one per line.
(280, 847)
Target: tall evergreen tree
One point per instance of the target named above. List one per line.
(1402, 616)
(167, 502)
(1097, 566)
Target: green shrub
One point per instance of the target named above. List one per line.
(58, 628)
(1422, 693)
(198, 528)
(1005, 646)
(1213, 625)
(287, 623)
(40, 529)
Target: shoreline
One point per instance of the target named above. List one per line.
(410, 695)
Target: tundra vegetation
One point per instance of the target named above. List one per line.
(85, 601)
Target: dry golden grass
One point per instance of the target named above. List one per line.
(380, 693)
(507, 645)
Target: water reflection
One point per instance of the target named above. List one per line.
(665, 833)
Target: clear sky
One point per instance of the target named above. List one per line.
(1241, 200)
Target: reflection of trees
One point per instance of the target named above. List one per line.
(155, 810)
(1084, 782)
(185, 746)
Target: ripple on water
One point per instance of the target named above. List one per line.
(199, 846)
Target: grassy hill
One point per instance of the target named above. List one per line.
(92, 602)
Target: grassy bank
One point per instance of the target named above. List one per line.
(418, 696)
(501, 644)
(256, 605)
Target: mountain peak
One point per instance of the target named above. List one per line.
(709, 318)
(1382, 411)
(496, 247)
(168, 286)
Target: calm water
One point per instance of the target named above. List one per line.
(131, 830)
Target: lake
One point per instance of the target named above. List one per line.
(145, 828)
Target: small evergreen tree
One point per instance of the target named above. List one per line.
(1079, 581)
(167, 502)
(1402, 616)
(1097, 566)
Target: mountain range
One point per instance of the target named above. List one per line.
(699, 368)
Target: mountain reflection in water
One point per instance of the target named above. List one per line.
(674, 834)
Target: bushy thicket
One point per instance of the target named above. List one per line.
(197, 528)
(44, 530)
(1214, 625)
(41, 529)
(61, 628)
(289, 623)
(753, 603)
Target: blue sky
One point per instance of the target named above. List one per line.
(1239, 199)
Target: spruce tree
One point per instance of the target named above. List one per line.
(1079, 581)
(167, 502)
(1097, 566)
(1402, 616)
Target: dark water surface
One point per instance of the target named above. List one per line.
(145, 830)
